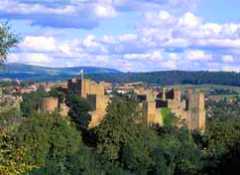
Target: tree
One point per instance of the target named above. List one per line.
(11, 158)
(79, 110)
(223, 146)
(47, 139)
(7, 41)
(58, 93)
(123, 139)
(31, 102)
(177, 154)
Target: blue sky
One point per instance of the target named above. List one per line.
(129, 35)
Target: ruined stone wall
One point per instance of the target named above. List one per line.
(177, 95)
(63, 109)
(191, 111)
(97, 89)
(49, 104)
(96, 118)
(99, 104)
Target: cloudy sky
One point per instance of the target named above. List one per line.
(129, 35)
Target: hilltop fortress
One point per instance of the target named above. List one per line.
(188, 107)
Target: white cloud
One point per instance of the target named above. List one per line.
(39, 43)
(189, 20)
(105, 11)
(228, 59)
(31, 58)
(198, 55)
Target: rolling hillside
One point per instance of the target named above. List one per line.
(38, 73)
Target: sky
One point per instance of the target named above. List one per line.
(128, 35)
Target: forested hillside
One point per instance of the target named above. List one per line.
(173, 77)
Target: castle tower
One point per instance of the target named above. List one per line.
(149, 108)
(177, 95)
(197, 112)
(164, 94)
(151, 113)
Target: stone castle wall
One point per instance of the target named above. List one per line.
(95, 95)
(49, 104)
(191, 111)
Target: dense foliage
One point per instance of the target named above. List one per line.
(79, 108)
(31, 102)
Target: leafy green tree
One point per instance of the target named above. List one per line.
(123, 139)
(48, 141)
(223, 145)
(58, 93)
(79, 110)
(177, 153)
(12, 158)
(7, 41)
(117, 127)
(31, 102)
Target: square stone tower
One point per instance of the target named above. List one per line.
(196, 110)
(151, 114)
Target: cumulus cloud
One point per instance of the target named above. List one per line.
(86, 14)
(60, 14)
(39, 44)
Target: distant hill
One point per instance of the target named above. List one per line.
(173, 77)
(38, 73)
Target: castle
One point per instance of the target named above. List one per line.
(189, 108)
